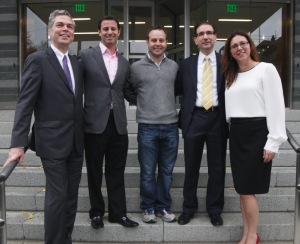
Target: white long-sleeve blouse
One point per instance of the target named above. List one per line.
(258, 93)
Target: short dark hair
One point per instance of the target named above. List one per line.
(156, 28)
(204, 23)
(108, 17)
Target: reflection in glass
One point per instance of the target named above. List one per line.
(36, 35)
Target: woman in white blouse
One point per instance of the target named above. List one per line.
(256, 112)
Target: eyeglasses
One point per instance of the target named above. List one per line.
(202, 33)
(234, 47)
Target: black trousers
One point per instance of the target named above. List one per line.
(205, 128)
(113, 147)
(62, 184)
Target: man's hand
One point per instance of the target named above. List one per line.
(15, 153)
(268, 156)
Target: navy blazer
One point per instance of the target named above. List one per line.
(58, 113)
(186, 85)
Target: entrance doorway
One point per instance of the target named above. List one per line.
(268, 23)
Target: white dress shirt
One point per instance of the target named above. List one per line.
(200, 67)
(60, 57)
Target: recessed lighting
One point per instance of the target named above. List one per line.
(78, 19)
(182, 26)
(137, 23)
(86, 33)
(236, 20)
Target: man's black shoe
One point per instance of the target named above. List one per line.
(97, 222)
(124, 221)
(216, 219)
(185, 218)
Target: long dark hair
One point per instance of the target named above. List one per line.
(229, 64)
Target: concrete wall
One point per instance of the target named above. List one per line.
(296, 57)
(9, 63)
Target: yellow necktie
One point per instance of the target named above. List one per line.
(207, 85)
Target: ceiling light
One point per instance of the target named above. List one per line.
(236, 20)
(168, 26)
(137, 23)
(78, 19)
(182, 26)
(86, 33)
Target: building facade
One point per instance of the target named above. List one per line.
(273, 24)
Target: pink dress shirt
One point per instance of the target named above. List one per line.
(110, 60)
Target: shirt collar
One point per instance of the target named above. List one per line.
(148, 55)
(212, 56)
(58, 53)
(105, 50)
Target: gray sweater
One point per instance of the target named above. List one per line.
(155, 90)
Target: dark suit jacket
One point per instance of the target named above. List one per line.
(186, 85)
(99, 93)
(57, 111)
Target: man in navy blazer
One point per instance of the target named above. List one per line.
(200, 125)
(57, 105)
(105, 124)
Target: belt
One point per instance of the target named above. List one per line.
(247, 119)
(212, 109)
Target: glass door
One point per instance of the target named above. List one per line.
(140, 19)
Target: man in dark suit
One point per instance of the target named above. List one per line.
(56, 100)
(105, 124)
(202, 122)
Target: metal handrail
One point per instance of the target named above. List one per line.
(7, 170)
(296, 147)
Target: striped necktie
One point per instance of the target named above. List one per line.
(207, 85)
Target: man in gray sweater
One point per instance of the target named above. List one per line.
(152, 79)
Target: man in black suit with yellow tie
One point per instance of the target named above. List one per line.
(202, 119)
(52, 89)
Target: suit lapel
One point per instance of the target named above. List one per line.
(57, 67)
(99, 59)
(194, 70)
(219, 71)
(75, 72)
(120, 65)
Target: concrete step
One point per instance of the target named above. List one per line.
(33, 176)
(285, 158)
(32, 199)
(76, 242)
(272, 227)
(6, 138)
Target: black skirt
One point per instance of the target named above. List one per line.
(247, 139)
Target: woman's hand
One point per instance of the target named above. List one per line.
(268, 156)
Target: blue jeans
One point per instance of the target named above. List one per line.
(158, 145)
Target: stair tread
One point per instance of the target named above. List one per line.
(272, 226)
